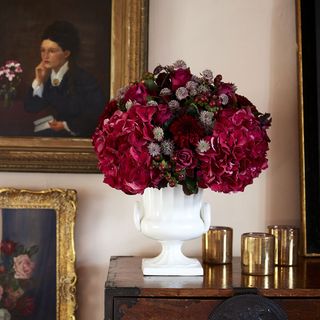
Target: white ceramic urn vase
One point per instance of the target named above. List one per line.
(171, 217)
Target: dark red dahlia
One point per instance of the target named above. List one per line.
(186, 131)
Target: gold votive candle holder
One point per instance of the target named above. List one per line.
(217, 245)
(286, 244)
(257, 253)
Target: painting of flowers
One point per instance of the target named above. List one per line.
(10, 78)
(27, 264)
(16, 280)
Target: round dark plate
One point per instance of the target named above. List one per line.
(248, 307)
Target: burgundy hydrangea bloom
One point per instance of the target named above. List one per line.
(237, 154)
(109, 110)
(242, 101)
(186, 131)
(122, 148)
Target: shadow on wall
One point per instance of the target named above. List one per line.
(90, 292)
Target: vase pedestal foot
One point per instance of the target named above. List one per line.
(192, 269)
(171, 262)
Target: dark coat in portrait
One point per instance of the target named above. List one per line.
(77, 100)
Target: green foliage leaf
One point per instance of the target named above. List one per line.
(190, 186)
(33, 250)
(20, 250)
(193, 109)
(151, 85)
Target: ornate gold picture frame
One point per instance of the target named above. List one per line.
(39, 226)
(308, 38)
(129, 41)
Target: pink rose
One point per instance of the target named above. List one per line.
(23, 266)
(179, 78)
(138, 93)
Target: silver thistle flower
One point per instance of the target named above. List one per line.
(203, 146)
(224, 98)
(173, 105)
(196, 78)
(203, 88)
(181, 93)
(152, 103)
(190, 85)
(180, 64)
(158, 133)
(129, 104)
(193, 92)
(167, 147)
(165, 92)
(206, 118)
(121, 92)
(154, 149)
(207, 74)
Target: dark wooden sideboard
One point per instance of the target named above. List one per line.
(131, 296)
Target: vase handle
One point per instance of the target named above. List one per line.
(138, 215)
(205, 214)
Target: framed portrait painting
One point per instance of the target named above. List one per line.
(308, 26)
(37, 278)
(113, 38)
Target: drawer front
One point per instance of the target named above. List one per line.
(198, 309)
(300, 309)
(163, 309)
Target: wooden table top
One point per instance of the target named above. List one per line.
(302, 280)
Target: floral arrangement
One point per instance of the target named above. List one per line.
(173, 127)
(9, 80)
(16, 268)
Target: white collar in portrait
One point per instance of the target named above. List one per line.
(56, 77)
